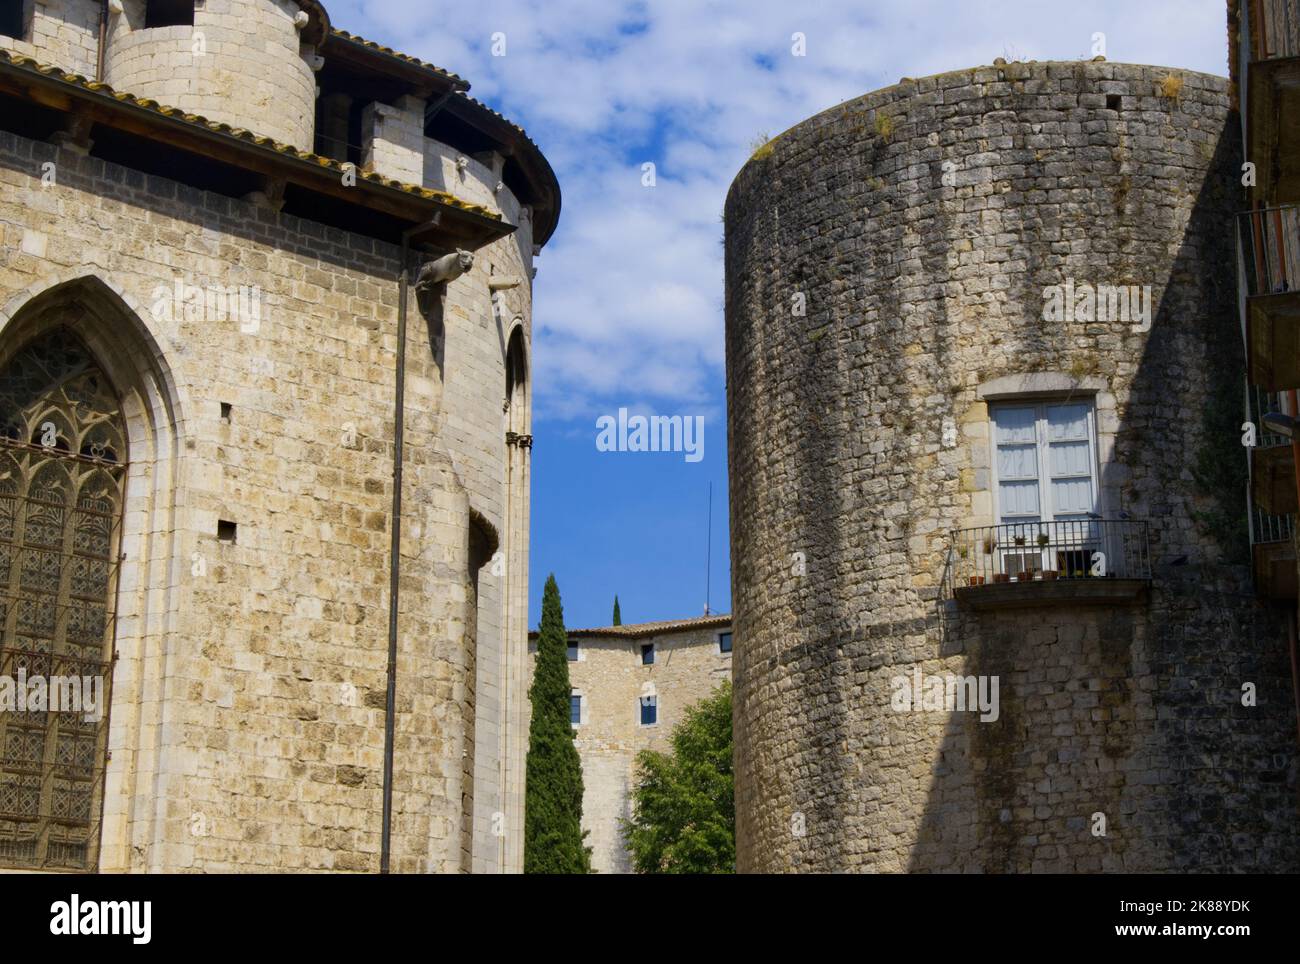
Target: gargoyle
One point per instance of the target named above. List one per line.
(431, 285)
(447, 268)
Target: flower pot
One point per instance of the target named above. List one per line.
(1001, 577)
(1049, 575)
(1020, 540)
(977, 580)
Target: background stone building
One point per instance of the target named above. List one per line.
(936, 471)
(631, 686)
(210, 213)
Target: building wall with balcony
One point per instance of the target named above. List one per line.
(1264, 38)
(890, 269)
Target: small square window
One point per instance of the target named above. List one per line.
(575, 709)
(647, 654)
(573, 651)
(724, 642)
(227, 531)
(649, 710)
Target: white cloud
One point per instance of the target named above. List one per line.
(629, 291)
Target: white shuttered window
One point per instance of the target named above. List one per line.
(1045, 461)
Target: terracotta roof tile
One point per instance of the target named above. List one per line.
(637, 630)
(240, 133)
(398, 55)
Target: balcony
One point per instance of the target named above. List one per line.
(1077, 562)
(1273, 555)
(1272, 482)
(1270, 244)
(1273, 121)
(1271, 460)
(1274, 29)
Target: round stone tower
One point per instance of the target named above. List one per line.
(247, 63)
(986, 529)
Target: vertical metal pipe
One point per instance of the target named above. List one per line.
(395, 545)
(103, 40)
(395, 560)
(1295, 442)
(1295, 667)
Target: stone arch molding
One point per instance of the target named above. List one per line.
(122, 335)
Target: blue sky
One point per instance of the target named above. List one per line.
(628, 297)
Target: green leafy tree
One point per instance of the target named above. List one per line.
(553, 835)
(683, 804)
(618, 617)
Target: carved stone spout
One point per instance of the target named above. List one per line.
(447, 268)
(431, 289)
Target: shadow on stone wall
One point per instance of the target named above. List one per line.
(1136, 713)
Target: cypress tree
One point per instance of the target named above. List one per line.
(553, 835)
(618, 619)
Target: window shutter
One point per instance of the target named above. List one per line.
(1069, 460)
(1017, 464)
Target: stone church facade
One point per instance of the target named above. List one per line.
(984, 428)
(218, 220)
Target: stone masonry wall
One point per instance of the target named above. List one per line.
(247, 716)
(64, 33)
(920, 225)
(240, 63)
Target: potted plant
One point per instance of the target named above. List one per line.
(977, 580)
(1043, 540)
(1020, 540)
(1001, 577)
(1049, 575)
(990, 543)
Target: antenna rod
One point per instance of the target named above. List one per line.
(708, 554)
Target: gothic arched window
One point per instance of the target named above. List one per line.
(62, 472)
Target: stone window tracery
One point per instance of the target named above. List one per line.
(62, 472)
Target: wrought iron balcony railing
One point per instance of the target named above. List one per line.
(1270, 528)
(1259, 403)
(1047, 551)
(1274, 29)
(1266, 527)
(1270, 242)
